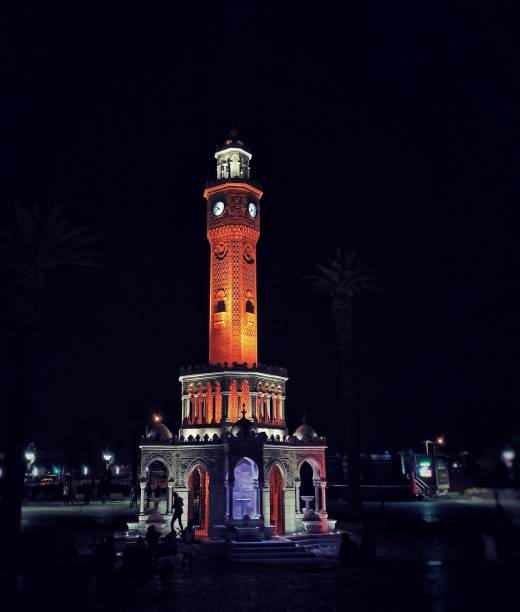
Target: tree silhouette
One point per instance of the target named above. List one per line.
(37, 244)
(345, 282)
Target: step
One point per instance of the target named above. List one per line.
(272, 553)
(266, 545)
(281, 561)
(302, 553)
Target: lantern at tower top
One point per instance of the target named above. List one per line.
(232, 159)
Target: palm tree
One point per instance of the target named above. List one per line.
(38, 243)
(345, 282)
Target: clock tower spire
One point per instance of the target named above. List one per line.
(233, 229)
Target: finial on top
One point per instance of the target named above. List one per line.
(233, 138)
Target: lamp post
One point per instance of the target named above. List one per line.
(30, 457)
(439, 441)
(508, 456)
(108, 456)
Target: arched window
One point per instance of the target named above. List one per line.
(220, 306)
(198, 499)
(250, 307)
(276, 500)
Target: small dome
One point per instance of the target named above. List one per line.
(305, 432)
(158, 432)
(243, 427)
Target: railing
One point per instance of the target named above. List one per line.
(235, 179)
(221, 367)
(423, 487)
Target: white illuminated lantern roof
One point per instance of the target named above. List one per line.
(232, 160)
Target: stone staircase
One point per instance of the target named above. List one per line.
(271, 552)
(321, 545)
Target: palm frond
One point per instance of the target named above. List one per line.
(342, 277)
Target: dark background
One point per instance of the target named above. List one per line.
(389, 130)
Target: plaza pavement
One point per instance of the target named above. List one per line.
(423, 564)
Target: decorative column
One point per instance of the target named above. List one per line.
(169, 497)
(260, 493)
(267, 505)
(297, 484)
(225, 406)
(268, 414)
(317, 496)
(199, 404)
(231, 484)
(226, 494)
(323, 486)
(142, 484)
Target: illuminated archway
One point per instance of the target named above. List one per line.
(198, 499)
(276, 500)
(245, 490)
(307, 481)
(157, 476)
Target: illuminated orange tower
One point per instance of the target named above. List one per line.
(233, 213)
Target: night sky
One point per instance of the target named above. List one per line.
(388, 130)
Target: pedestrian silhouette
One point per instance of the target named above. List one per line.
(148, 493)
(177, 511)
(152, 539)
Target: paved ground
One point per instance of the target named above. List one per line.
(426, 561)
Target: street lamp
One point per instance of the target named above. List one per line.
(30, 457)
(439, 441)
(508, 456)
(108, 456)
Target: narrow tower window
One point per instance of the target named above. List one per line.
(250, 307)
(220, 306)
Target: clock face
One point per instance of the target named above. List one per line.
(252, 209)
(218, 208)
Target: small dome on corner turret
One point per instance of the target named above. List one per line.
(158, 432)
(305, 432)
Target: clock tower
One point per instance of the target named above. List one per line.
(234, 462)
(233, 213)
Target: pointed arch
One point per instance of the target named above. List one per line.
(198, 496)
(147, 462)
(276, 498)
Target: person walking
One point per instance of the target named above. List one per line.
(66, 498)
(88, 494)
(148, 493)
(133, 496)
(177, 510)
(72, 495)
